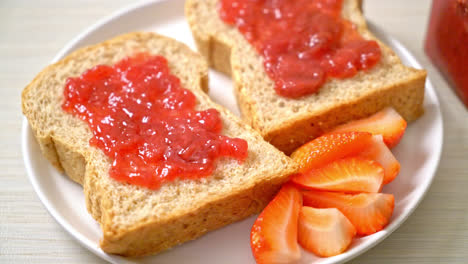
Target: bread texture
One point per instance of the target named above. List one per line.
(137, 221)
(289, 123)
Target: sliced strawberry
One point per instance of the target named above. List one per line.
(386, 122)
(324, 232)
(379, 152)
(330, 147)
(274, 234)
(369, 212)
(348, 175)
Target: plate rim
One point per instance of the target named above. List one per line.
(71, 45)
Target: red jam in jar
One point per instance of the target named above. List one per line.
(447, 42)
(303, 42)
(146, 123)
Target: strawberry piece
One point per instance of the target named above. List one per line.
(349, 175)
(369, 212)
(330, 147)
(324, 232)
(386, 122)
(379, 152)
(274, 234)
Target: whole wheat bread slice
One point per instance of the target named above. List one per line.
(137, 221)
(288, 123)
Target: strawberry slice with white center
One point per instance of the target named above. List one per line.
(324, 232)
(274, 234)
(350, 175)
(386, 122)
(379, 152)
(368, 212)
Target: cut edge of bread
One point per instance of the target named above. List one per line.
(289, 123)
(137, 221)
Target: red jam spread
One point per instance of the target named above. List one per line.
(303, 42)
(447, 42)
(146, 123)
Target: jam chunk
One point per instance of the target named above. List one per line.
(447, 43)
(146, 123)
(303, 42)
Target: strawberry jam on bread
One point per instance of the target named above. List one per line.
(136, 220)
(289, 123)
(146, 123)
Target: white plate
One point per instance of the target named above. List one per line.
(419, 154)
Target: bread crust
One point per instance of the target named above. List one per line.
(406, 95)
(160, 236)
(152, 232)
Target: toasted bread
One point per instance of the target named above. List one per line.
(289, 123)
(137, 221)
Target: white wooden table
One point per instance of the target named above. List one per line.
(32, 32)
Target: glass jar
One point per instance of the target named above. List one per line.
(447, 43)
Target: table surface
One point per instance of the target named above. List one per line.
(32, 32)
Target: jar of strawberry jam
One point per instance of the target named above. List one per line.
(447, 42)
